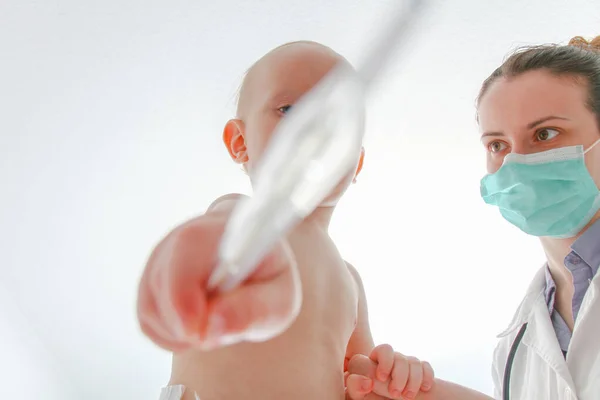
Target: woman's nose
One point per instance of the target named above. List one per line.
(521, 148)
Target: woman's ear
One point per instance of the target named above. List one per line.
(234, 140)
(360, 164)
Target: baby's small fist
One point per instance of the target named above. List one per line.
(406, 375)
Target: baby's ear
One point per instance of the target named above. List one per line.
(234, 140)
(360, 164)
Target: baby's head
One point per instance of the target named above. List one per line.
(270, 88)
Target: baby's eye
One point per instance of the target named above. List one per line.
(284, 109)
(546, 134)
(496, 147)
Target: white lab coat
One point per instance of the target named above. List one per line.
(539, 369)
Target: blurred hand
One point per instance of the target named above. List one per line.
(177, 312)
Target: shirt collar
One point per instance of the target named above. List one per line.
(587, 246)
(550, 289)
(534, 292)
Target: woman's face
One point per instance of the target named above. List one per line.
(534, 112)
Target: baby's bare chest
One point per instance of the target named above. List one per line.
(330, 294)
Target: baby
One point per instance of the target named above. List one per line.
(327, 325)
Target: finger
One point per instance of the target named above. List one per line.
(154, 300)
(399, 376)
(415, 378)
(374, 396)
(148, 315)
(428, 377)
(145, 296)
(383, 355)
(358, 386)
(370, 396)
(150, 322)
(357, 395)
(362, 365)
(258, 310)
(187, 258)
(159, 338)
(279, 261)
(269, 307)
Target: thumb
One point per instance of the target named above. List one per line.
(358, 386)
(256, 311)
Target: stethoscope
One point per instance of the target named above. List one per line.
(510, 360)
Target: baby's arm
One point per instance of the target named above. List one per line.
(361, 341)
(444, 390)
(397, 375)
(441, 390)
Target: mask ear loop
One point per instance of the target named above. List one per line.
(592, 146)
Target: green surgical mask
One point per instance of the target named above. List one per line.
(544, 194)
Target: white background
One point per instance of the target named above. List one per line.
(110, 123)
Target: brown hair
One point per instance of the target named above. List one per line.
(579, 59)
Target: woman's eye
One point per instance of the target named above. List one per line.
(546, 134)
(496, 147)
(284, 109)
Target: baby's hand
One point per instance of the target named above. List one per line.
(406, 375)
(394, 376)
(177, 312)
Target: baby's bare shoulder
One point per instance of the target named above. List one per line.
(355, 275)
(225, 202)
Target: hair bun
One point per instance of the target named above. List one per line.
(579, 41)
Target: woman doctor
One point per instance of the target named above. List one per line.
(539, 117)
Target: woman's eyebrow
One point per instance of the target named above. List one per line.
(485, 134)
(540, 121)
(531, 125)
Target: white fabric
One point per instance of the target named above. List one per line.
(174, 392)
(558, 154)
(540, 370)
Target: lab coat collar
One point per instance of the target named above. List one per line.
(582, 357)
(535, 290)
(541, 338)
(539, 335)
